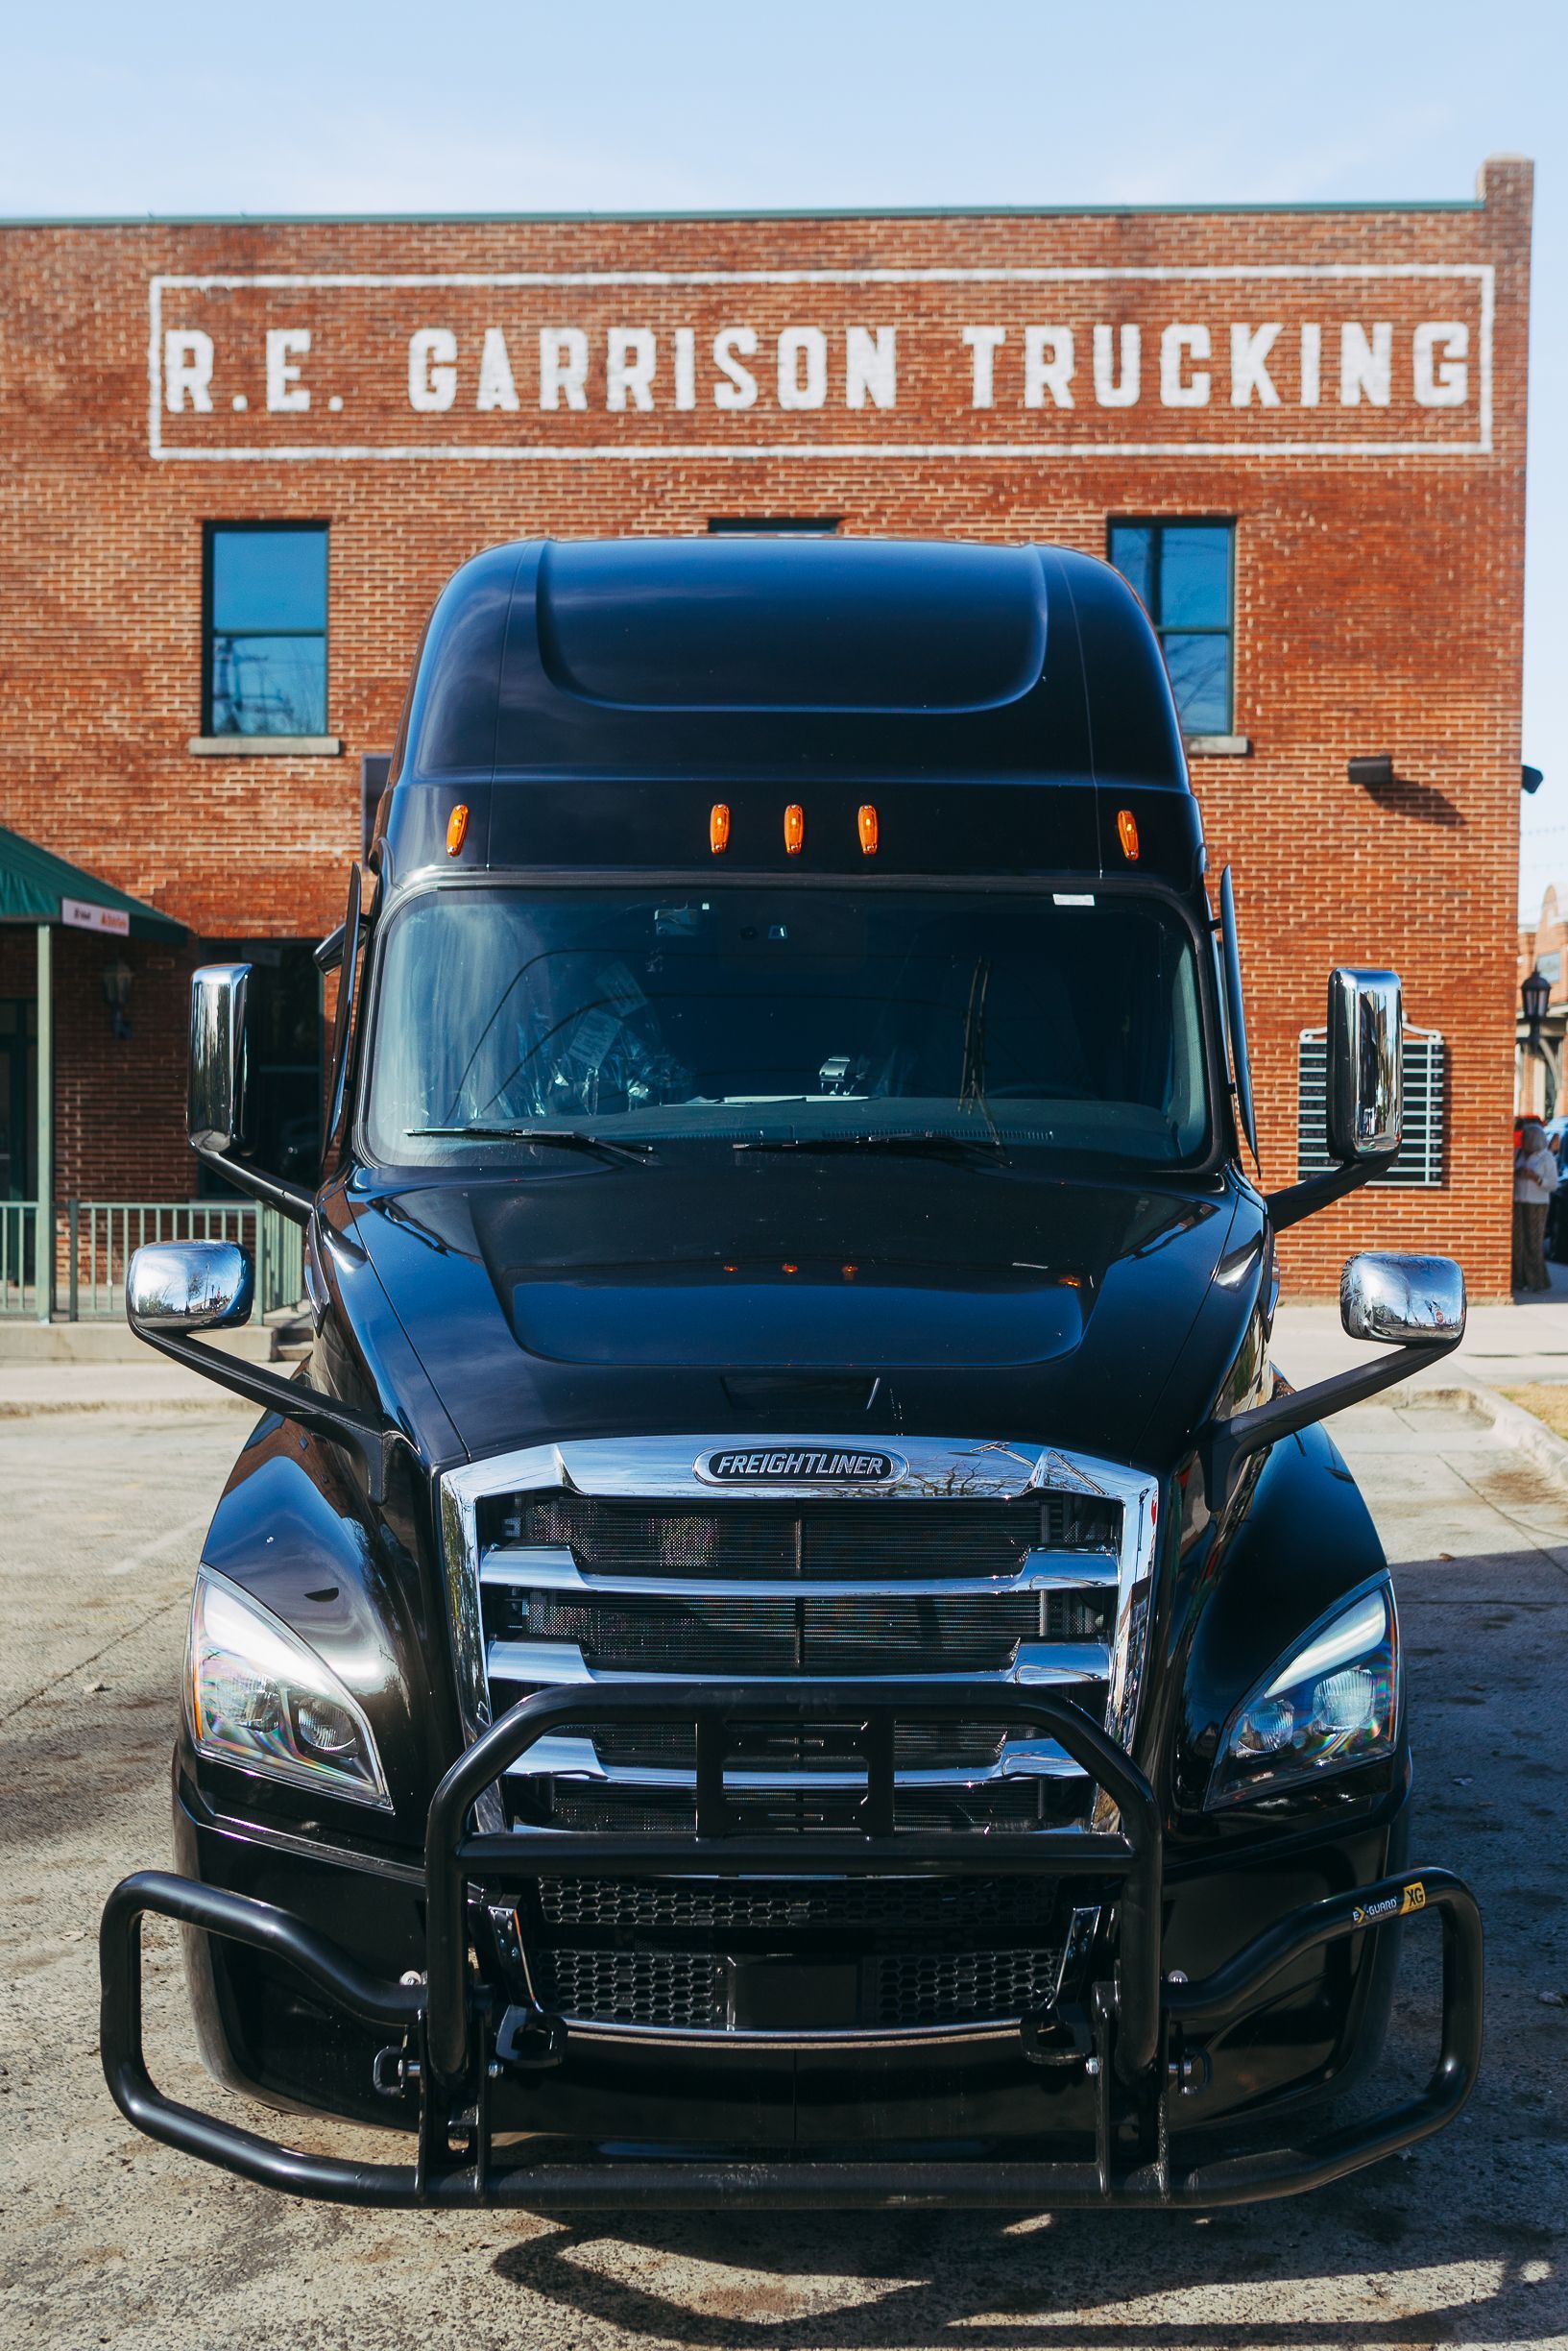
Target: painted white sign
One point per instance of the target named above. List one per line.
(81, 915)
(1369, 359)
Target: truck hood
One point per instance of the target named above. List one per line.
(783, 1293)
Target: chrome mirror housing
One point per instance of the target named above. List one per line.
(1405, 1301)
(189, 1286)
(218, 1062)
(1365, 1040)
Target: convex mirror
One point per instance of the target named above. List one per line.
(189, 1286)
(1404, 1301)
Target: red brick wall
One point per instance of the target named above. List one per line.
(1379, 597)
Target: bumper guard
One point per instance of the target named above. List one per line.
(1130, 2039)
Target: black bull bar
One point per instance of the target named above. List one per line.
(1131, 2043)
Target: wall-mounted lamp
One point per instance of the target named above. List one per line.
(1530, 779)
(1373, 774)
(118, 980)
(1534, 995)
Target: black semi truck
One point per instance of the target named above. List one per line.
(787, 1643)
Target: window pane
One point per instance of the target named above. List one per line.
(1130, 545)
(1194, 575)
(1199, 669)
(269, 579)
(268, 684)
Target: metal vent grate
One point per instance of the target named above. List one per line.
(966, 1908)
(633, 1987)
(1420, 1159)
(953, 1987)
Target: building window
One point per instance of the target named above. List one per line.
(774, 526)
(1183, 572)
(265, 629)
(1420, 1159)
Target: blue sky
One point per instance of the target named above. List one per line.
(608, 105)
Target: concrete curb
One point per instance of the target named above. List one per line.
(1510, 1421)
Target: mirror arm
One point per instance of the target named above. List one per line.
(1227, 1443)
(1314, 1192)
(289, 1200)
(365, 1435)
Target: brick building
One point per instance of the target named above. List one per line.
(241, 457)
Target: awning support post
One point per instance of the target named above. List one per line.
(43, 1240)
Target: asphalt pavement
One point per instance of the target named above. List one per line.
(109, 2239)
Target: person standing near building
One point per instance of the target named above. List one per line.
(1535, 1180)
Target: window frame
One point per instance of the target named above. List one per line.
(289, 522)
(1160, 523)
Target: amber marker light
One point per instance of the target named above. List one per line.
(867, 821)
(794, 828)
(1126, 832)
(457, 828)
(718, 828)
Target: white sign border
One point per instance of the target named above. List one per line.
(483, 453)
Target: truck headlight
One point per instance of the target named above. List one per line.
(259, 1697)
(1332, 1704)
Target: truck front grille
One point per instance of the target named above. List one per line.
(876, 1539)
(989, 1562)
(1001, 1804)
(806, 1635)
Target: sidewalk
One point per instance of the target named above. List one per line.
(103, 1367)
(1504, 1346)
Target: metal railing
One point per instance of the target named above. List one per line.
(92, 1241)
(18, 1257)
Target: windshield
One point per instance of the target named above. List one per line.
(783, 1017)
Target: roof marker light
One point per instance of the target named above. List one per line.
(1126, 832)
(457, 828)
(794, 828)
(718, 827)
(867, 821)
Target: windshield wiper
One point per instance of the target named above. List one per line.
(932, 1145)
(566, 1138)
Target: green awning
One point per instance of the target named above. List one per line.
(39, 887)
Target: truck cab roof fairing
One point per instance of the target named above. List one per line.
(834, 665)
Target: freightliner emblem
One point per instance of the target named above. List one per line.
(801, 1465)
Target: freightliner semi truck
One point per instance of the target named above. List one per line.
(788, 1644)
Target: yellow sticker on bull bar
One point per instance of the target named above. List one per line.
(1411, 1897)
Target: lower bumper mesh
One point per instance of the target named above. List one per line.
(691, 1989)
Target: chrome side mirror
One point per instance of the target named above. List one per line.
(1365, 1042)
(1405, 1301)
(189, 1286)
(219, 1074)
